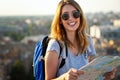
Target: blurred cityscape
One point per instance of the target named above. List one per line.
(18, 35)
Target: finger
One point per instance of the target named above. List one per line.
(73, 78)
(80, 72)
(73, 74)
(76, 72)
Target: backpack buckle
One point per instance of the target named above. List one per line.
(41, 58)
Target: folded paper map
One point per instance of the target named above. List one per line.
(96, 69)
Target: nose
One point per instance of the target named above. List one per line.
(71, 16)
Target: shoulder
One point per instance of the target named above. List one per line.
(89, 39)
(53, 42)
(91, 48)
(53, 45)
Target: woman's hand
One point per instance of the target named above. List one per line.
(73, 74)
(110, 75)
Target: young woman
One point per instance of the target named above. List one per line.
(68, 27)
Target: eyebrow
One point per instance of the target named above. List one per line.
(68, 12)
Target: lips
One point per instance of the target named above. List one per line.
(71, 23)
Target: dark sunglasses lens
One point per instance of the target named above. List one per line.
(65, 16)
(76, 14)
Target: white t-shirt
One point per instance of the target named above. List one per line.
(71, 60)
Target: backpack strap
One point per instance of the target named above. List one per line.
(61, 59)
(45, 43)
(61, 50)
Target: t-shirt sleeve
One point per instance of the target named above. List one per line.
(53, 45)
(91, 48)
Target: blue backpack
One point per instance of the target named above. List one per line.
(38, 62)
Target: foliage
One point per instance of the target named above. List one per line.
(17, 71)
(16, 36)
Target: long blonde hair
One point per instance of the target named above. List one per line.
(58, 31)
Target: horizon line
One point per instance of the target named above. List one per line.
(53, 14)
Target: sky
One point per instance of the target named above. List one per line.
(48, 7)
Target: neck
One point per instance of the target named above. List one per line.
(74, 47)
(71, 37)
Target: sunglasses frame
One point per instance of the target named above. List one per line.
(75, 14)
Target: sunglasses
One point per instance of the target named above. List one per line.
(75, 14)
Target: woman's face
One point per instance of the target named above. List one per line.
(70, 18)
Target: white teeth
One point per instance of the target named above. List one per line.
(71, 24)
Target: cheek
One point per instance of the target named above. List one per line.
(78, 21)
(63, 23)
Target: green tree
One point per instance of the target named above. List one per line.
(18, 71)
(15, 35)
(30, 74)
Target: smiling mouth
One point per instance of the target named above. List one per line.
(71, 23)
